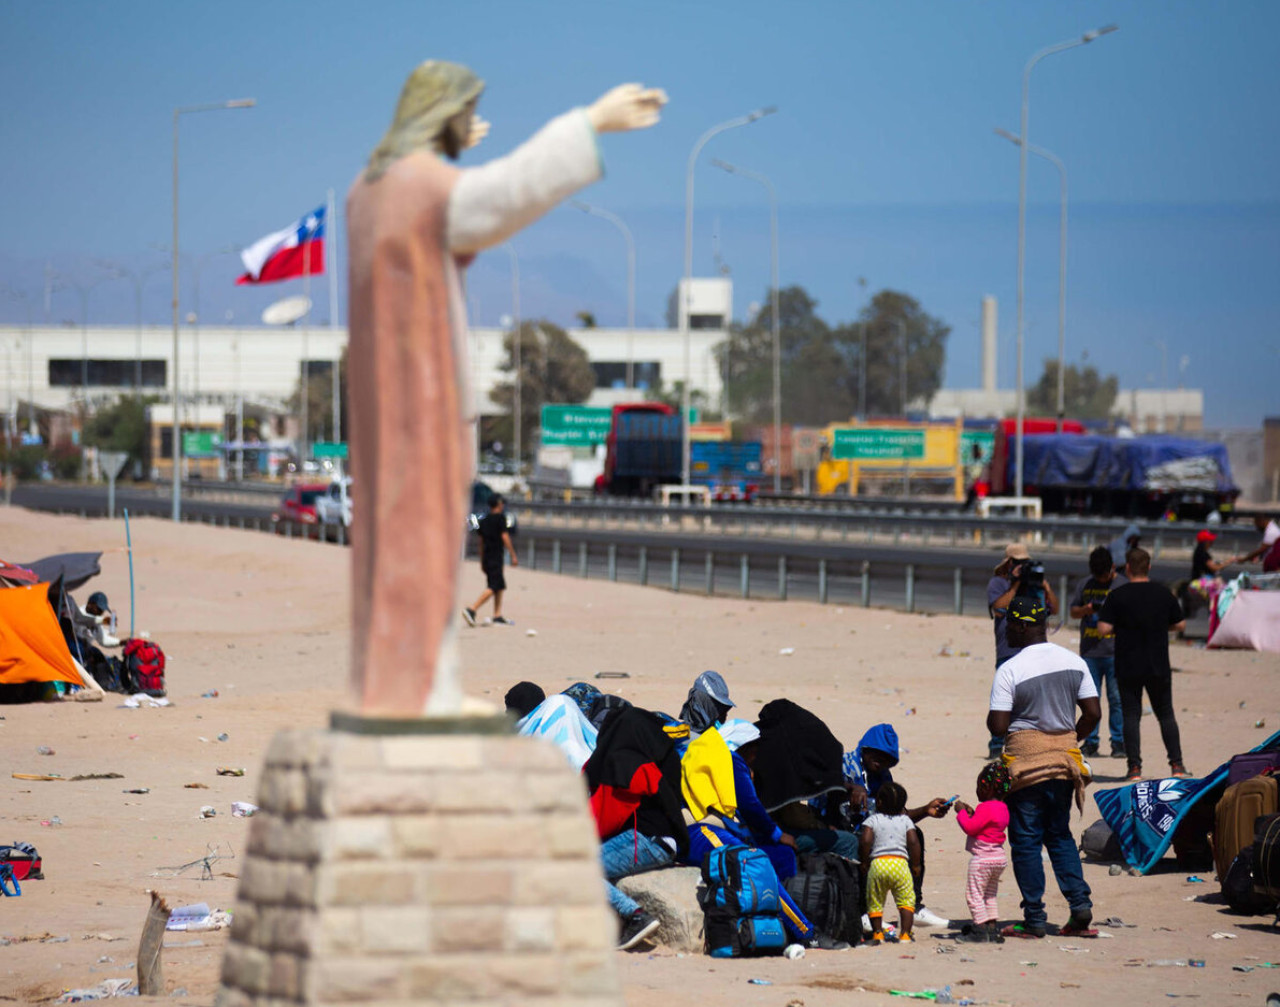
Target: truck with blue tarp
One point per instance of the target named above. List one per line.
(732, 469)
(1142, 477)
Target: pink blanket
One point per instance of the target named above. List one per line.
(1252, 623)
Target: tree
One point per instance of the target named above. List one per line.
(1086, 394)
(120, 427)
(553, 368)
(821, 365)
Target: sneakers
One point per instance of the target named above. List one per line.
(1179, 771)
(1089, 748)
(877, 940)
(926, 917)
(980, 933)
(1134, 774)
(821, 942)
(905, 938)
(636, 928)
(502, 620)
(470, 615)
(1118, 752)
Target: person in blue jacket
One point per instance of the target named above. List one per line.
(868, 768)
(754, 826)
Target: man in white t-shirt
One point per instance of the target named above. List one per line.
(1034, 697)
(1269, 549)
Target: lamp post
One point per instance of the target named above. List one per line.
(1056, 161)
(517, 405)
(21, 295)
(756, 176)
(64, 282)
(1024, 133)
(617, 222)
(138, 277)
(197, 264)
(683, 299)
(173, 265)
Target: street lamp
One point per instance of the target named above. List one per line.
(516, 353)
(756, 176)
(742, 120)
(1056, 161)
(139, 278)
(21, 295)
(1024, 132)
(64, 282)
(617, 222)
(177, 389)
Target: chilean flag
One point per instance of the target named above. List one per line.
(295, 251)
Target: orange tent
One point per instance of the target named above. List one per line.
(32, 648)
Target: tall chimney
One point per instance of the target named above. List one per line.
(988, 343)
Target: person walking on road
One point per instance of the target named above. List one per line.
(1099, 651)
(495, 541)
(1034, 696)
(1142, 614)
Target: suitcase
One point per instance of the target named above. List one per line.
(1251, 764)
(1234, 817)
(1266, 857)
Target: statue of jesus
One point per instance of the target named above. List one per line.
(414, 222)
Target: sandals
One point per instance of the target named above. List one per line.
(1079, 926)
(1022, 930)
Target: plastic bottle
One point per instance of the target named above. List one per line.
(944, 996)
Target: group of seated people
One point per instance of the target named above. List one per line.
(668, 790)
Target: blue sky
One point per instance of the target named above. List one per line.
(882, 153)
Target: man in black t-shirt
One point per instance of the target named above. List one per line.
(494, 540)
(1142, 614)
(1098, 651)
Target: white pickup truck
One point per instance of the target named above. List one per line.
(334, 505)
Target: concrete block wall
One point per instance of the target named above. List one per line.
(424, 869)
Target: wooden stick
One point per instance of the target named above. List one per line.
(150, 967)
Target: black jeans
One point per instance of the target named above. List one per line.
(1160, 692)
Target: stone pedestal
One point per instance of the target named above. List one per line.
(423, 869)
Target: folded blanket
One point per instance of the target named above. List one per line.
(1038, 756)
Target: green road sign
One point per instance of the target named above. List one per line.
(575, 426)
(329, 449)
(201, 442)
(877, 443)
(985, 439)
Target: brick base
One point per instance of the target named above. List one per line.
(423, 869)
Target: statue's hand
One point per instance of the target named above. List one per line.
(479, 130)
(627, 106)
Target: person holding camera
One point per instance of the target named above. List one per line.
(1017, 575)
(1099, 649)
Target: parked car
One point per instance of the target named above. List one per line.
(299, 503)
(334, 505)
(480, 496)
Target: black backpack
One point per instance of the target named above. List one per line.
(828, 890)
(1237, 886)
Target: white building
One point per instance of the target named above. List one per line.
(53, 366)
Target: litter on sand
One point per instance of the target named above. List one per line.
(613, 674)
(106, 990)
(243, 809)
(142, 699)
(787, 652)
(230, 771)
(1222, 935)
(198, 916)
(760, 982)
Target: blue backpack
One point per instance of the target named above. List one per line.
(740, 903)
(741, 880)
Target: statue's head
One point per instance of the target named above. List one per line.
(434, 113)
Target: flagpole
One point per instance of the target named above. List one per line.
(331, 244)
(306, 345)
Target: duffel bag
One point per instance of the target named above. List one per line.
(1266, 858)
(730, 936)
(828, 890)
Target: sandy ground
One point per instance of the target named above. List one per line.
(264, 621)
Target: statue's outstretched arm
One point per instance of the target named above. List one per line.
(494, 201)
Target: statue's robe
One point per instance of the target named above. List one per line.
(411, 233)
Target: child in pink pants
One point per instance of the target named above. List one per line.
(985, 826)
